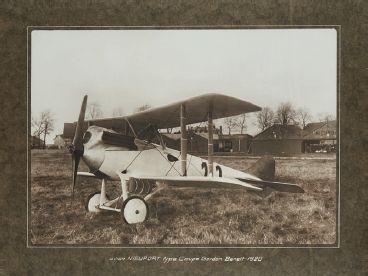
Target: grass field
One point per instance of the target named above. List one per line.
(187, 216)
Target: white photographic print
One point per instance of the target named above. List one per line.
(184, 137)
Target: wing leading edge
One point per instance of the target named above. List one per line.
(197, 109)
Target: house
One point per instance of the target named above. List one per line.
(197, 142)
(172, 140)
(235, 143)
(197, 139)
(315, 137)
(37, 143)
(279, 139)
(65, 139)
(61, 142)
(320, 137)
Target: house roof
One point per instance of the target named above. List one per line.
(321, 130)
(310, 131)
(177, 136)
(69, 130)
(173, 136)
(205, 135)
(36, 140)
(63, 137)
(278, 131)
(235, 136)
(313, 126)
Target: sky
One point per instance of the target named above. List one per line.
(128, 68)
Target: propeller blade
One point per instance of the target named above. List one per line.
(75, 163)
(76, 149)
(78, 136)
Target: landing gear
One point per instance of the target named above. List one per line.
(134, 210)
(98, 200)
(93, 202)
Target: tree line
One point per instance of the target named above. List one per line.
(43, 124)
(285, 113)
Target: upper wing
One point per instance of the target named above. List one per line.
(168, 116)
(200, 182)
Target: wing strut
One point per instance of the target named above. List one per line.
(183, 140)
(210, 142)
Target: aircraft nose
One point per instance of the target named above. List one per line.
(93, 148)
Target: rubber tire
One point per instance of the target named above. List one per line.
(125, 203)
(89, 198)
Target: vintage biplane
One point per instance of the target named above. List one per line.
(131, 149)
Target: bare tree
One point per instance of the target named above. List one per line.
(94, 111)
(36, 127)
(303, 116)
(231, 123)
(242, 122)
(118, 112)
(143, 107)
(48, 124)
(326, 117)
(265, 118)
(285, 114)
(43, 125)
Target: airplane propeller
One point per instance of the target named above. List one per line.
(76, 148)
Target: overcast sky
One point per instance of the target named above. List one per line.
(128, 68)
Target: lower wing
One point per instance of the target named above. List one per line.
(201, 182)
(216, 182)
(223, 182)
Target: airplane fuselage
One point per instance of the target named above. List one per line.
(153, 161)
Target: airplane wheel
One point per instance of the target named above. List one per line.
(92, 201)
(135, 210)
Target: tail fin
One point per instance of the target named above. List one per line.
(264, 168)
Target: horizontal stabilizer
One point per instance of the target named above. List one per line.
(277, 186)
(201, 182)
